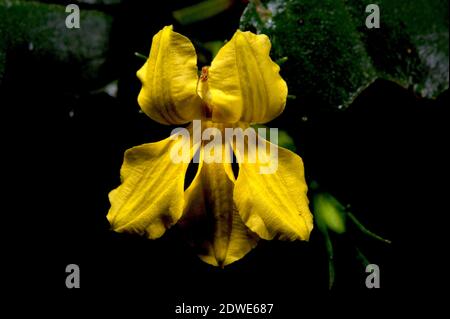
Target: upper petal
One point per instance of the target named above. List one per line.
(151, 196)
(275, 204)
(244, 83)
(169, 80)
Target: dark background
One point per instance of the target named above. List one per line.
(384, 155)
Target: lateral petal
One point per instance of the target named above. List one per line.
(151, 196)
(273, 205)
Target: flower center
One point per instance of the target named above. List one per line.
(203, 92)
(204, 75)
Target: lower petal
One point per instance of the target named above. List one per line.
(150, 198)
(274, 204)
(210, 220)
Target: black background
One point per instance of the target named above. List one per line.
(384, 156)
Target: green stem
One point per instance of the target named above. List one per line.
(281, 60)
(365, 230)
(361, 257)
(330, 253)
(140, 55)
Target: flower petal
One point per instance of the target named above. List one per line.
(244, 83)
(169, 80)
(273, 205)
(210, 220)
(150, 198)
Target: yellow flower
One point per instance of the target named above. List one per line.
(223, 216)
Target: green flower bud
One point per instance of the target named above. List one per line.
(329, 213)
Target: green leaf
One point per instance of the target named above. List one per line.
(39, 34)
(333, 56)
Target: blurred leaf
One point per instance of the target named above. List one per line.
(95, 3)
(333, 56)
(201, 11)
(284, 139)
(37, 33)
(213, 47)
(2, 57)
(102, 2)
